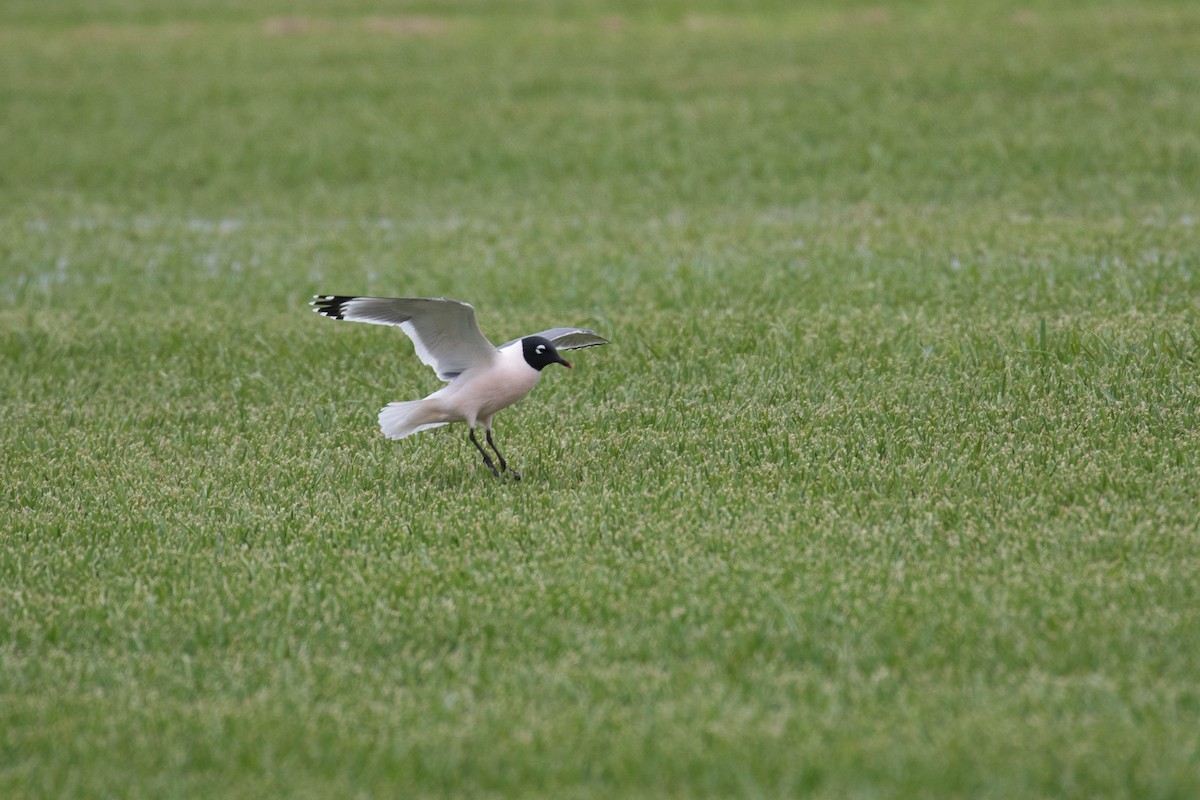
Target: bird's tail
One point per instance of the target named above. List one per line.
(398, 420)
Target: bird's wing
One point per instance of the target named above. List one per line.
(566, 338)
(444, 332)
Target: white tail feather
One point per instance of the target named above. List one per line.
(398, 420)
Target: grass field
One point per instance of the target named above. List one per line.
(886, 487)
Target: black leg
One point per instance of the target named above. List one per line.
(487, 460)
(503, 465)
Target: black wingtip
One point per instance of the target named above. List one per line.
(330, 305)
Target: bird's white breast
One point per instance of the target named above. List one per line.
(481, 392)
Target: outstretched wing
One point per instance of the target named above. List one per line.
(444, 332)
(566, 338)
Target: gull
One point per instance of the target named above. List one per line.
(482, 378)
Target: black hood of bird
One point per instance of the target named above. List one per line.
(540, 352)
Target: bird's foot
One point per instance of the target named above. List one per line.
(516, 476)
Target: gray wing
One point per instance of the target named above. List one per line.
(444, 332)
(566, 338)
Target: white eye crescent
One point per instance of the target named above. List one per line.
(541, 348)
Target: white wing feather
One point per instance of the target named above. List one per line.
(444, 332)
(566, 338)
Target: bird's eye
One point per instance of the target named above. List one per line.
(541, 348)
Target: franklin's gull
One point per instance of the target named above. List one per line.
(482, 378)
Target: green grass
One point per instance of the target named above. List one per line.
(886, 487)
